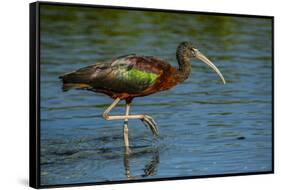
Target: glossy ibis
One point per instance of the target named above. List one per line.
(130, 76)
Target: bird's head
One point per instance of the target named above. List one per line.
(187, 50)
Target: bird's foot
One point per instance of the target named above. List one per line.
(151, 124)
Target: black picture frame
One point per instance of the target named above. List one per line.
(34, 94)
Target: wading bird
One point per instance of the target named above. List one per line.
(130, 76)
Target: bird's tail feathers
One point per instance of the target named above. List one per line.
(68, 86)
(72, 80)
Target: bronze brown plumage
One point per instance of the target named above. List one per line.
(130, 76)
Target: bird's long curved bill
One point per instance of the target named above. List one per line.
(203, 58)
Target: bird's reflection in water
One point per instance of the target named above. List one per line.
(150, 168)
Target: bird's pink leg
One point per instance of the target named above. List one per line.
(147, 120)
(126, 130)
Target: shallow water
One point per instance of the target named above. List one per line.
(205, 127)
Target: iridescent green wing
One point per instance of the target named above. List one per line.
(132, 74)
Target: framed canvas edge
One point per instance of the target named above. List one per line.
(272, 97)
(34, 95)
(151, 9)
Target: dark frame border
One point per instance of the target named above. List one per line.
(34, 97)
(34, 94)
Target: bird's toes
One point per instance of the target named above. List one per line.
(151, 120)
(151, 124)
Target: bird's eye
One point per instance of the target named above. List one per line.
(193, 53)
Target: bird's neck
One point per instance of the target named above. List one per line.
(184, 67)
